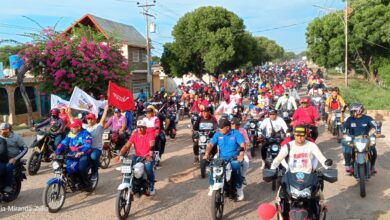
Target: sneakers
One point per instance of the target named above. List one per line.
(210, 191)
(240, 194)
(152, 192)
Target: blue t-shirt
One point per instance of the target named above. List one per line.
(360, 126)
(228, 144)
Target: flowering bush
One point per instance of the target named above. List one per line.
(63, 62)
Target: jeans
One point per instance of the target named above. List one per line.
(83, 169)
(347, 152)
(6, 173)
(57, 141)
(149, 172)
(95, 156)
(236, 174)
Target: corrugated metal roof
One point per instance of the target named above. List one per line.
(121, 31)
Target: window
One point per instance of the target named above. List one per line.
(136, 55)
(20, 107)
(4, 110)
(143, 56)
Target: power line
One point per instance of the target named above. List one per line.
(18, 27)
(281, 27)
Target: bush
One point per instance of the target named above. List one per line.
(372, 96)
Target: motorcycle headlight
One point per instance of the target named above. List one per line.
(348, 138)
(202, 139)
(55, 165)
(138, 170)
(296, 193)
(217, 171)
(252, 125)
(285, 114)
(360, 146)
(275, 147)
(40, 137)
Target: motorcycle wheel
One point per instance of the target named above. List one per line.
(203, 164)
(217, 205)
(16, 186)
(105, 159)
(253, 149)
(54, 192)
(33, 164)
(181, 116)
(339, 135)
(362, 180)
(275, 184)
(123, 206)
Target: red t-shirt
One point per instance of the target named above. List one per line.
(65, 119)
(141, 143)
(305, 116)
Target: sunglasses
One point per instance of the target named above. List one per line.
(299, 135)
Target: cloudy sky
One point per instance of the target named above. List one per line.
(284, 21)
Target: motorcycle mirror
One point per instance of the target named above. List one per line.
(329, 162)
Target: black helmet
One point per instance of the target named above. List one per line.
(273, 111)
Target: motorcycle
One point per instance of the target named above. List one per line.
(221, 174)
(19, 176)
(203, 136)
(109, 148)
(194, 117)
(252, 130)
(134, 182)
(336, 125)
(171, 130)
(361, 163)
(300, 193)
(65, 181)
(273, 151)
(318, 103)
(42, 149)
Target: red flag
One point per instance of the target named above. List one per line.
(120, 97)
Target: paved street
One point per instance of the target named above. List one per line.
(182, 194)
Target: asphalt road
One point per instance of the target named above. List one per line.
(182, 194)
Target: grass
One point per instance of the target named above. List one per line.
(372, 96)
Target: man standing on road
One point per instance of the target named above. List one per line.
(230, 145)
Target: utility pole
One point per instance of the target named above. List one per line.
(345, 22)
(346, 42)
(145, 11)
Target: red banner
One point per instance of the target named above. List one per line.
(120, 97)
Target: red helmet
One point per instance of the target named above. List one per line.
(55, 112)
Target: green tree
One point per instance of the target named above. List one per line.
(268, 50)
(7, 51)
(209, 39)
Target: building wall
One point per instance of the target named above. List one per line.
(132, 58)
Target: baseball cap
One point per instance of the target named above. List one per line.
(91, 116)
(300, 130)
(223, 122)
(76, 123)
(5, 126)
(141, 123)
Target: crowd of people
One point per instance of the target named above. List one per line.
(275, 97)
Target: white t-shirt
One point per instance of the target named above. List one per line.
(278, 124)
(226, 108)
(97, 135)
(301, 158)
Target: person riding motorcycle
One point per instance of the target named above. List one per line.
(117, 123)
(355, 125)
(143, 143)
(236, 125)
(226, 106)
(154, 126)
(12, 149)
(334, 102)
(141, 96)
(201, 101)
(286, 102)
(79, 142)
(307, 114)
(235, 96)
(278, 89)
(206, 117)
(57, 126)
(270, 127)
(230, 145)
(171, 110)
(96, 130)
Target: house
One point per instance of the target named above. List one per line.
(134, 46)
